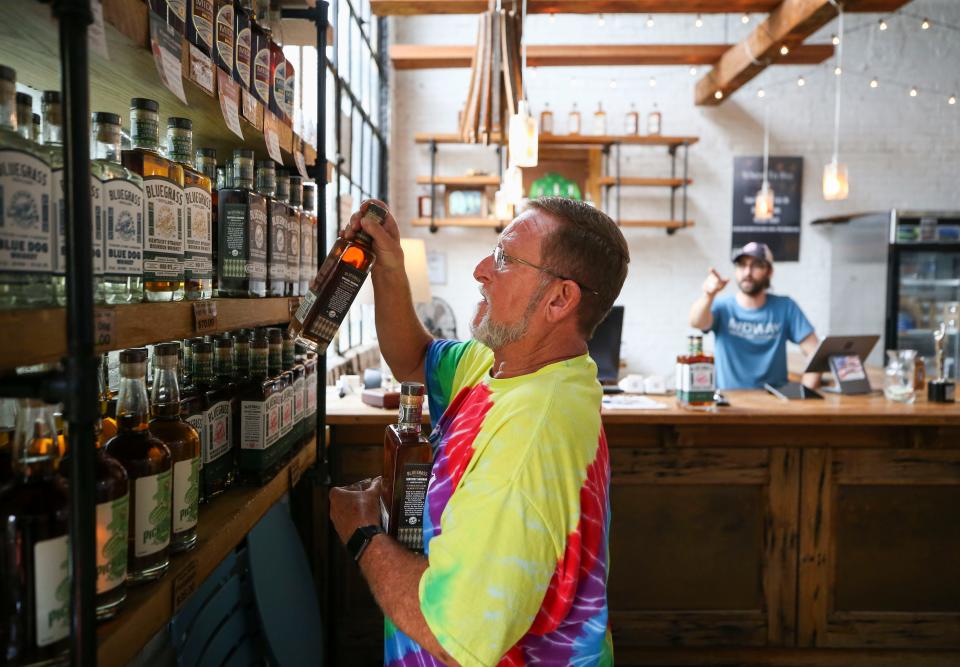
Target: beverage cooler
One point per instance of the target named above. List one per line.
(897, 273)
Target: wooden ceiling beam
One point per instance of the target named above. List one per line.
(789, 24)
(419, 7)
(422, 56)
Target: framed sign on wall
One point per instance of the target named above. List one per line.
(782, 231)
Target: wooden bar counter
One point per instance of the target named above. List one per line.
(767, 533)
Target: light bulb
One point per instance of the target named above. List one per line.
(524, 137)
(883, 24)
(745, 18)
(653, 81)
(649, 20)
(693, 71)
(718, 95)
(925, 25)
(952, 100)
(835, 39)
(763, 204)
(874, 83)
(836, 184)
(801, 81)
(761, 93)
(914, 92)
(613, 83)
(784, 50)
(837, 70)
(600, 20)
(699, 22)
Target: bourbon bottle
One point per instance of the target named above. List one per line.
(220, 455)
(34, 547)
(148, 464)
(242, 233)
(259, 419)
(197, 211)
(277, 229)
(182, 440)
(696, 384)
(407, 460)
(335, 286)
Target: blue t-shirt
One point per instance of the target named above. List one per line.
(751, 346)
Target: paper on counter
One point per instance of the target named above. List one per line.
(631, 402)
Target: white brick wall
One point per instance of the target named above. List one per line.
(901, 152)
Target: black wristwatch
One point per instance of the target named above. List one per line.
(360, 539)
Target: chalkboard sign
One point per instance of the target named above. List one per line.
(782, 231)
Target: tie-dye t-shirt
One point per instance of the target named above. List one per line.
(517, 515)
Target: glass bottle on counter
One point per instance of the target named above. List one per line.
(34, 544)
(197, 212)
(163, 187)
(573, 120)
(546, 119)
(242, 232)
(407, 461)
(285, 196)
(182, 440)
(309, 228)
(148, 464)
(121, 213)
(220, 457)
(335, 286)
(259, 418)
(695, 377)
(277, 229)
(26, 252)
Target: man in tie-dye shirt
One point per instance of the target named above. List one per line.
(517, 511)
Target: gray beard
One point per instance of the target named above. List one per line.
(497, 335)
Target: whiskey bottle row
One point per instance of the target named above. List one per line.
(165, 226)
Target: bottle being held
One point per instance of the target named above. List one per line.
(407, 461)
(335, 286)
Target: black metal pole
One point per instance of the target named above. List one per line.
(81, 406)
(433, 186)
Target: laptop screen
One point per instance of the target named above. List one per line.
(604, 347)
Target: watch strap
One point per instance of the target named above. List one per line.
(361, 539)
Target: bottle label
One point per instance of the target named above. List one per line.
(225, 37)
(96, 202)
(286, 414)
(293, 241)
(202, 11)
(198, 258)
(306, 252)
(700, 383)
(219, 431)
(330, 314)
(60, 224)
(25, 215)
(261, 71)
(51, 587)
(178, 8)
(278, 243)
(299, 399)
(274, 406)
(242, 62)
(289, 88)
(416, 477)
(113, 522)
(123, 212)
(309, 298)
(199, 424)
(163, 237)
(252, 425)
(311, 381)
(243, 241)
(151, 524)
(278, 90)
(257, 229)
(186, 494)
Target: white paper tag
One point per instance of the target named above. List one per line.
(301, 165)
(201, 69)
(165, 44)
(271, 137)
(229, 92)
(96, 36)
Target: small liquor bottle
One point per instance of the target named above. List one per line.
(242, 253)
(220, 456)
(163, 186)
(35, 554)
(301, 223)
(260, 66)
(121, 213)
(699, 385)
(193, 398)
(205, 161)
(278, 80)
(243, 41)
(298, 387)
(182, 440)
(223, 35)
(310, 221)
(546, 119)
(260, 418)
(599, 120)
(198, 212)
(407, 460)
(148, 464)
(292, 287)
(573, 120)
(284, 380)
(335, 286)
(277, 229)
(654, 125)
(631, 125)
(26, 252)
(200, 25)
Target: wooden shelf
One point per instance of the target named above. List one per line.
(610, 181)
(223, 524)
(28, 43)
(489, 223)
(135, 325)
(419, 7)
(656, 224)
(571, 139)
(460, 180)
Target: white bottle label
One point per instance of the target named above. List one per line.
(311, 382)
(26, 237)
(219, 431)
(163, 236)
(252, 425)
(113, 523)
(199, 424)
(186, 494)
(60, 224)
(299, 399)
(225, 29)
(198, 258)
(293, 241)
(123, 227)
(272, 419)
(261, 73)
(286, 416)
(151, 525)
(51, 587)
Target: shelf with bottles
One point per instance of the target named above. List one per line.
(44, 338)
(571, 139)
(130, 72)
(222, 525)
(486, 223)
(631, 181)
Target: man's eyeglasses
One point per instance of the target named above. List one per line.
(500, 258)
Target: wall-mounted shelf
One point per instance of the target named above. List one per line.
(571, 139)
(223, 524)
(462, 181)
(611, 181)
(657, 224)
(488, 223)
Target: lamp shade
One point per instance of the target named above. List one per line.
(524, 137)
(415, 263)
(764, 203)
(836, 185)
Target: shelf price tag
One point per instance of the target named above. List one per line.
(229, 92)
(204, 316)
(271, 137)
(301, 165)
(96, 36)
(105, 327)
(201, 69)
(251, 110)
(165, 44)
(184, 584)
(296, 471)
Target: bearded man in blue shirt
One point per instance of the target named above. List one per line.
(752, 327)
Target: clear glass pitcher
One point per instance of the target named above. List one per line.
(898, 381)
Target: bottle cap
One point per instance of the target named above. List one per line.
(8, 74)
(134, 355)
(274, 335)
(145, 104)
(166, 349)
(202, 348)
(259, 343)
(243, 153)
(51, 97)
(376, 211)
(180, 123)
(24, 99)
(106, 118)
(224, 341)
(411, 389)
(207, 152)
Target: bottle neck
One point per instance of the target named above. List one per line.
(25, 122)
(36, 447)
(165, 395)
(52, 125)
(288, 354)
(133, 406)
(258, 363)
(202, 368)
(411, 414)
(208, 167)
(243, 362)
(275, 360)
(224, 365)
(145, 129)
(8, 105)
(180, 145)
(106, 142)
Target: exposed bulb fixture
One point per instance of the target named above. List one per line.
(761, 93)
(784, 50)
(838, 70)
(745, 18)
(835, 39)
(925, 25)
(763, 202)
(835, 184)
(914, 92)
(801, 81)
(718, 95)
(883, 24)
(874, 83)
(952, 100)
(600, 20)
(649, 20)
(693, 71)
(699, 22)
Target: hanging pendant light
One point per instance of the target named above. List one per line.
(524, 135)
(763, 204)
(836, 185)
(512, 185)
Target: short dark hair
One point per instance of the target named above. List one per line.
(588, 246)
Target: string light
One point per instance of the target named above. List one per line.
(649, 20)
(699, 22)
(653, 81)
(784, 50)
(835, 40)
(914, 92)
(952, 100)
(600, 20)
(835, 182)
(718, 95)
(925, 25)
(874, 83)
(693, 71)
(801, 81)
(838, 70)
(745, 18)
(761, 93)
(883, 24)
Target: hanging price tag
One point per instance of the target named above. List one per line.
(204, 316)
(301, 165)
(272, 138)
(105, 327)
(185, 583)
(165, 44)
(251, 109)
(96, 36)
(229, 92)
(201, 69)
(296, 471)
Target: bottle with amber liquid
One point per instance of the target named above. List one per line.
(276, 229)
(220, 456)
(284, 380)
(34, 545)
(335, 286)
(698, 377)
(148, 464)
(259, 418)
(297, 387)
(182, 440)
(241, 232)
(197, 212)
(407, 460)
(546, 119)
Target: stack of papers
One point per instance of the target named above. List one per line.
(632, 402)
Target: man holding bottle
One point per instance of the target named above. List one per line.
(517, 511)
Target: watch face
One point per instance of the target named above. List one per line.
(360, 539)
